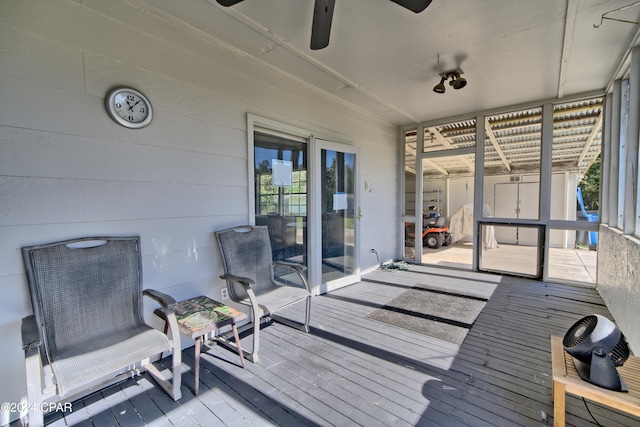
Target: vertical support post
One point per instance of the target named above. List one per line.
(633, 138)
(605, 157)
(478, 192)
(546, 152)
(419, 193)
(614, 153)
(622, 154)
(544, 205)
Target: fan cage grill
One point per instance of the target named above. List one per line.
(580, 331)
(620, 352)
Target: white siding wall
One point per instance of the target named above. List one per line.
(67, 170)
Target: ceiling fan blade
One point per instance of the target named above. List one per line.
(416, 6)
(321, 27)
(228, 3)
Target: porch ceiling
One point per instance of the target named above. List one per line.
(385, 59)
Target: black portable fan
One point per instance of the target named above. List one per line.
(597, 347)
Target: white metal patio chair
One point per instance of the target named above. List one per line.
(248, 265)
(87, 330)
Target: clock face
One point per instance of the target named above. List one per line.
(129, 108)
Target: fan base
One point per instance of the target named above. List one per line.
(601, 372)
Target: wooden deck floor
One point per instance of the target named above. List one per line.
(351, 370)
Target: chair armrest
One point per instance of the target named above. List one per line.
(169, 316)
(30, 333)
(298, 267)
(244, 281)
(161, 298)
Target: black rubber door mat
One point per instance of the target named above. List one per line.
(434, 313)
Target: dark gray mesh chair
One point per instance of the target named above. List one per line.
(248, 266)
(87, 329)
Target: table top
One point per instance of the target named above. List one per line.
(565, 372)
(201, 315)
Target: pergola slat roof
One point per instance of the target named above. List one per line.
(513, 141)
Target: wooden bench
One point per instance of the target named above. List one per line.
(567, 380)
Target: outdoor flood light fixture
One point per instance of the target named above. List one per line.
(439, 88)
(457, 82)
(597, 347)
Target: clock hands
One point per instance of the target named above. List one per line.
(131, 106)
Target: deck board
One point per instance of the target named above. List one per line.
(351, 370)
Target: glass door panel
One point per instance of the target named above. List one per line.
(338, 214)
(281, 197)
(410, 193)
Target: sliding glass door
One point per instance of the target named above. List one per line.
(339, 214)
(305, 192)
(280, 175)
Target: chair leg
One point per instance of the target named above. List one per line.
(176, 381)
(307, 316)
(173, 385)
(176, 359)
(303, 326)
(35, 416)
(256, 338)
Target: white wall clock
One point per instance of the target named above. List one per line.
(128, 107)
